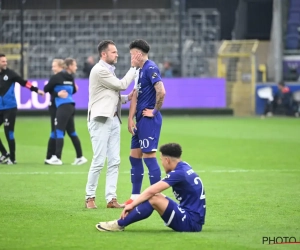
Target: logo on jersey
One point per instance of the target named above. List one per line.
(138, 87)
(5, 78)
(154, 75)
(55, 121)
(68, 82)
(166, 177)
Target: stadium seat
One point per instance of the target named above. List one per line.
(292, 42)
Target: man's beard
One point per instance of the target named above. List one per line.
(112, 62)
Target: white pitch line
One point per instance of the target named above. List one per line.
(127, 172)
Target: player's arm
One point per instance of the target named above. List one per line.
(25, 83)
(160, 96)
(171, 179)
(154, 75)
(49, 87)
(132, 111)
(154, 189)
(112, 82)
(75, 87)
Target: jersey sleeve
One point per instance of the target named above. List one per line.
(136, 79)
(74, 87)
(49, 87)
(154, 74)
(173, 177)
(25, 83)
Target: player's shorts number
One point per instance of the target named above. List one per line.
(144, 143)
(197, 180)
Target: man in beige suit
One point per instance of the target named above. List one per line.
(104, 118)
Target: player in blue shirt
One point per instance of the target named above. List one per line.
(65, 111)
(187, 216)
(145, 105)
(8, 108)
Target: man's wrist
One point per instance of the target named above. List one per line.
(154, 112)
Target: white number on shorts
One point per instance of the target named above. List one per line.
(197, 180)
(144, 143)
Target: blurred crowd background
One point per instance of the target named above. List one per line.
(246, 42)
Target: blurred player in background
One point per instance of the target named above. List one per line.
(8, 107)
(146, 103)
(64, 119)
(58, 65)
(187, 216)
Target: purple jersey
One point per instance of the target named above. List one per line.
(188, 190)
(146, 96)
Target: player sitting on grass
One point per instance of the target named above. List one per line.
(188, 216)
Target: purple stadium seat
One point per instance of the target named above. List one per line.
(293, 28)
(292, 42)
(294, 3)
(294, 17)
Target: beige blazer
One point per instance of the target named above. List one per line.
(104, 91)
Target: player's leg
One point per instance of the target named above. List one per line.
(142, 211)
(52, 139)
(80, 159)
(63, 114)
(137, 168)
(149, 137)
(4, 155)
(175, 217)
(9, 128)
(113, 163)
(172, 214)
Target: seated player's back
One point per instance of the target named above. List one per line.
(189, 191)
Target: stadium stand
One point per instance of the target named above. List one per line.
(52, 34)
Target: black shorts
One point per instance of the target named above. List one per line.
(8, 118)
(64, 120)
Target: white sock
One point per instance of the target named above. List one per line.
(134, 196)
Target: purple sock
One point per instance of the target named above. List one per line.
(140, 212)
(137, 174)
(154, 170)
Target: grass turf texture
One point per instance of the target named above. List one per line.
(250, 169)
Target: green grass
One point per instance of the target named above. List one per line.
(250, 169)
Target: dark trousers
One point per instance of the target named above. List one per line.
(8, 118)
(52, 140)
(64, 121)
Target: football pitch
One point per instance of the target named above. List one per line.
(250, 169)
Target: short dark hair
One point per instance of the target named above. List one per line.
(281, 84)
(171, 149)
(2, 55)
(69, 61)
(103, 45)
(141, 45)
